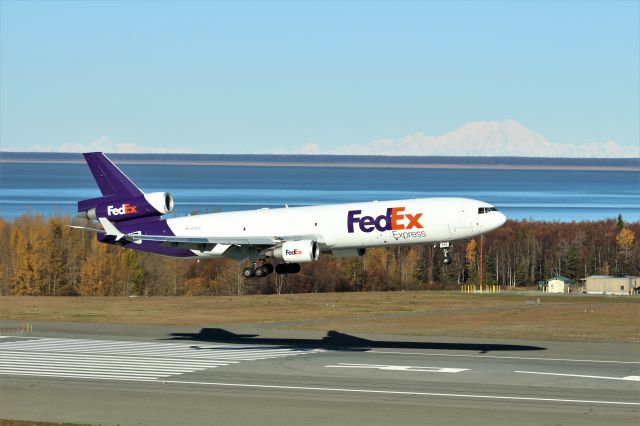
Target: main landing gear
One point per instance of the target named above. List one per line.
(267, 268)
(446, 247)
(257, 271)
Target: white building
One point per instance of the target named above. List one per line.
(559, 284)
(606, 284)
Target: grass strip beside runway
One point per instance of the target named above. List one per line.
(578, 318)
(7, 422)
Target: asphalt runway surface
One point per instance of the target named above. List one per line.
(256, 374)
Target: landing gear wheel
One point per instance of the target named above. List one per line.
(268, 268)
(258, 271)
(288, 268)
(293, 268)
(263, 270)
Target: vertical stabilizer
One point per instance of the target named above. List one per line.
(121, 199)
(109, 177)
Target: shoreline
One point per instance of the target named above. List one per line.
(341, 165)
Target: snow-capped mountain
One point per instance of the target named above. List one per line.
(489, 138)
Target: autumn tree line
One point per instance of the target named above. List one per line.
(43, 256)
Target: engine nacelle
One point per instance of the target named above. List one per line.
(296, 251)
(117, 210)
(349, 252)
(161, 201)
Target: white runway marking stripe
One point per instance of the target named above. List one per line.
(422, 369)
(585, 376)
(31, 363)
(410, 393)
(122, 365)
(603, 361)
(78, 376)
(120, 360)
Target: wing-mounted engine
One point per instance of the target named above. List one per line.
(117, 208)
(295, 251)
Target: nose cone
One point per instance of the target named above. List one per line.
(501, 219)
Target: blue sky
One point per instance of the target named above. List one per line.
(260, 76)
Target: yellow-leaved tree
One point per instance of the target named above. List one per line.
(626, 241)
(29, 263)
(470, 256)
(94, 272)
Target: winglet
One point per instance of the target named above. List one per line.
(110, 228)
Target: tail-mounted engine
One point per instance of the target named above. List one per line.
(295, 251)
(116, 208)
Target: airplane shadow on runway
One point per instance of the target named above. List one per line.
(335, 340)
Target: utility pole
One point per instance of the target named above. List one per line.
(481, 261)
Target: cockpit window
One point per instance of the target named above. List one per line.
(483, 210)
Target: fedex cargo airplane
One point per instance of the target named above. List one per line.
(286, 236)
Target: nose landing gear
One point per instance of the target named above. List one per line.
(446, 247)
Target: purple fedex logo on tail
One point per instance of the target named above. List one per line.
(394, 220)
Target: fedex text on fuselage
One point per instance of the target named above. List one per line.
(395, 219)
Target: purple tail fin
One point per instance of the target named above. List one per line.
(110, 178)
(120, 197)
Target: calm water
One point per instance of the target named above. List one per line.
(521, 194)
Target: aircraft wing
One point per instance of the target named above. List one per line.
(238, 241)
(195, 241)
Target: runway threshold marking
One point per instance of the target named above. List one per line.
(400, 368)
(626, 378)
(121, 360)
(411, 393)
(503, 357)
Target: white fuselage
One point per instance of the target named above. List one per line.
(349, 226)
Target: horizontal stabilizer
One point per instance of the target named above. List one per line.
(110, 228)
(86, 228)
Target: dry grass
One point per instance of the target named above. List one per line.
(579, 322)
(503, 316)
(6, 422)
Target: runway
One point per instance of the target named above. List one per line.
(107, 374)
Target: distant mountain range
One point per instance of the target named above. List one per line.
(476, 139)
(487, 138)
